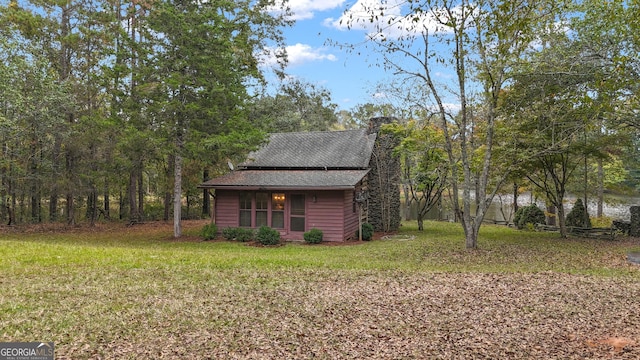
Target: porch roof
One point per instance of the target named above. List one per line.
(287, 180)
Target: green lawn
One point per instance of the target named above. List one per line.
(119, 292)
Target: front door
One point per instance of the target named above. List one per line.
(297, 214)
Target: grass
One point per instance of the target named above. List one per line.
(438, 248)
(114, 292)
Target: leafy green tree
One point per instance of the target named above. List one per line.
(34, 113)
(361, 114)
(608, 32)
(71, 40)
(424, 165)
(204, 57)
(551, 98)
(298, 106)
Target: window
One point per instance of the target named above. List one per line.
(245, 209)
(277, 210)
(297, 212)
(262, 208)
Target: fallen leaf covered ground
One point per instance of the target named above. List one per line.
(324, 315)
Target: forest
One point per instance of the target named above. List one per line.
(117, 110)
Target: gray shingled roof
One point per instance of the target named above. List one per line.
(349, 149)
(287, 179)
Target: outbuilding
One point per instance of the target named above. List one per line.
(299, 181)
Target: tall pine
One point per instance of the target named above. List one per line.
(197, 77)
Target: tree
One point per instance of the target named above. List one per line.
(35, 109)
(552, 99)
(479, 42)
(608, 30)
(204, 57)
(298, 106)
(71, 40)
(424, 174)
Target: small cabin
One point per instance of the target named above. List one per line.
(299, 181)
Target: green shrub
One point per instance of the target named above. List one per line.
(578, 216)
(528, 215)
(244, 235)
(153, 212)
(209, 231)
(268, 236)
(313, 236)
(230, 233)
(238, 234)
(367, 232)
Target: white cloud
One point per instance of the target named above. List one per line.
(385, 19)
(303, 53)
(443, 75)
(306, 9)
(453, 108)
(299, 54)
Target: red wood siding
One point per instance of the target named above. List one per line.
(227, 209)
(326, 214)
(350, 216)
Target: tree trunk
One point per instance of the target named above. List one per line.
(53, 204)
(33, 172)
(599, 211)
(167, 205)
(70, 206)
(53, 196)
(4, 206)
(551, 214)
(121, 205)
(140, 192)
(70, 209)
(107, 205)
(561, 219)
(12, 209)
(515, 197)
(35, 205)
(188, 199)
(177, 195)
(92, 206)
(20, 209)
(470, 232)
(206, 201)
(133, 207)
(167, 189)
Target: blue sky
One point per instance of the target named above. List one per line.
(351, 77)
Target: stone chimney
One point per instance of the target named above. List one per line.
(384, 179)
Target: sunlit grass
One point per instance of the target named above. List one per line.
(93, 291)
(440, 247)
